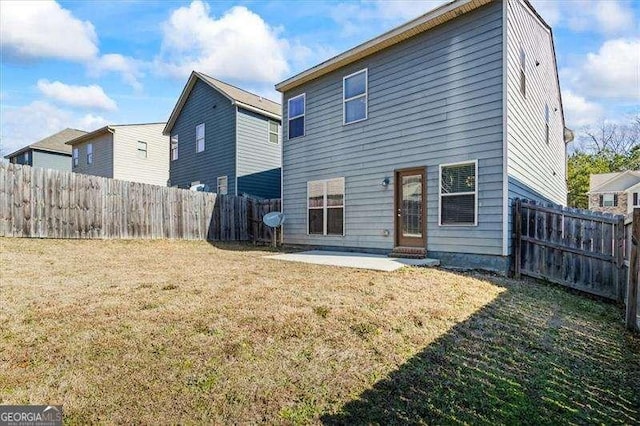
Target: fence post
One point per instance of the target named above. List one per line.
(634, 274)
(618, 238)
(517, 241)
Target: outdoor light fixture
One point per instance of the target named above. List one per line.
(385, 182)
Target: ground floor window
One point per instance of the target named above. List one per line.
(222, 185)
(609, 200)
(459, 193)
(325, 206)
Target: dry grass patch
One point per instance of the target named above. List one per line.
(123, 331)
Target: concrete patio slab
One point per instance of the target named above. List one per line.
(353, 260)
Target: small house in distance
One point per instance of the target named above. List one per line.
(132, 152)
(225, 138)
(616, 193)
(416, 142)
(51, 152)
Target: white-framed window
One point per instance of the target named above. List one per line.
(546, 123)
(174, 147)
(142, 149)
(200, 137)
(89, 153)
(296, 113)
(325, 207)
(76, 157)
(222, 185)
(26, 157)
(274, 133)
(609, 200)
(459, 193)
(354, 96)
(523, 75)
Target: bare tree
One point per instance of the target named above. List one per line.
(611, 137)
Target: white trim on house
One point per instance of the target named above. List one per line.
(219, 185)
(204, 138)
(303, 115)
(364, 95)
(269, 132)
(89, 153)
(475, 192)
(171, 144)
(505, 139)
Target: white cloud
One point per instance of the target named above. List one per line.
(92, 97)
(612, 73)
(30, 123)
(605, 16)
(129, 68)
(578, 111)
(43, 29)
(238, 45)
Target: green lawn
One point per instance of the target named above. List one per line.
(189, 332)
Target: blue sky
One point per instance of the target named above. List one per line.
(86, 64)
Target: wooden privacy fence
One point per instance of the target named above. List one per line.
(44, 203)
(576, 248)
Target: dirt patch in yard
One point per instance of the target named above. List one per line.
(180, 331)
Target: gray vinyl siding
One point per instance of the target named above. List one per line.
(51, 160)
(531, 161)
(154, 169)
(205, 105)
(102, 157)
(258, 162)
(433, 99)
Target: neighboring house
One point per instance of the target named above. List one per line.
(131, 152)
(419, 139)
(225, 138)
(48, 153)
(617, 193)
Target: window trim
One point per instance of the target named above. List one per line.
(27, 156)
(226, 178)
(613, 199)
(303, 115)
(171, 144)
(547, 114)
(365, 95)
(75, 157)
(89, 153)
(203, 138)
(475, 192)
(325, 207)
(523, 72)
(269, 132)
(146, 150)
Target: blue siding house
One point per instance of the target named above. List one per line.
(51, 152)
(416, 142)
(226, 138)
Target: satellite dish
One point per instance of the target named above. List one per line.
(273, 219)
(201, 187)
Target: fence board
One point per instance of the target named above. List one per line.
(575, 248)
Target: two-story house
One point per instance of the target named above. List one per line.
(225, 138)
(51, 152)
(616, 193)
(131, 152)
(417, 141)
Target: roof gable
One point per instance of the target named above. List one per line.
(236, 96)
(614, 182)
(54, 143)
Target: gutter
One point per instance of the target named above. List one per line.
(257, 110)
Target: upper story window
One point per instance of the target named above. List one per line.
(26, 157)
(546, 123)
(76, 156)
(609, 200)
(523, 76)
(222, 183)
(459, 194)
(142, 149)
(296, 110)
(90, 153)
(636, 199)
(174, 147)
(354, 97)
(200, 137)
(274, 135)
(325, 208)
